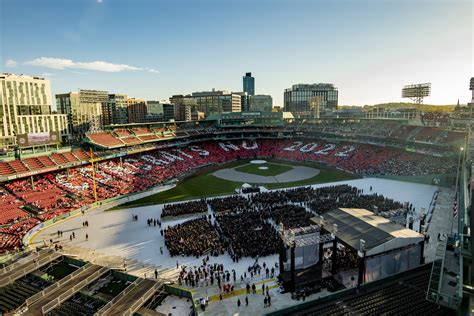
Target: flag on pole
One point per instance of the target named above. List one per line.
(455, 209)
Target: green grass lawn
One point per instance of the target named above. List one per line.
(192, 188)
(273, 169)
(207, 185)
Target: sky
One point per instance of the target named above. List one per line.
(152, 49)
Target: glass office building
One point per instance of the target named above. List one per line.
(249, 83)
(261, 102)
(297, 98)
(217, 102)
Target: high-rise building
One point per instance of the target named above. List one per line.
(160, 111)
(249, 83)
(84, 110)
(296, 98)
(118, 106)
(168, 112)
(316, 106)
(261, 102)
(183, 106)
(244, 101)
(137, 110)
(25, 104)
(107, 113)
(217, 102)
(197, 115)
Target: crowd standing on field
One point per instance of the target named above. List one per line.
(247, 225)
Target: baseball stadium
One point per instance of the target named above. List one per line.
(335, 216)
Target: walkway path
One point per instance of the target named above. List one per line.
(441, 221)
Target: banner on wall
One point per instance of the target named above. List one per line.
(37, 139)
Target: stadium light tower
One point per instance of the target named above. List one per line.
(471, 105)
(471, 87)
(416, 92)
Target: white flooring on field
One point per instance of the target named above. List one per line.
(114, 232)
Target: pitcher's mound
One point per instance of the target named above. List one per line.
(258, 162)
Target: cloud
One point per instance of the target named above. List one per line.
(47, 74)
(11, 63)
(99, 1)
(154, 71)
(61, 64)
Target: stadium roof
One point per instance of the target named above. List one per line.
(380, 235)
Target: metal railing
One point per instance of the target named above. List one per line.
(434, 287)
(66, 295)
(20, 262)
(127, 290)
(38, 264)
(136, 306)
(54, 286)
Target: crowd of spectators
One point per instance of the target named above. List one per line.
(248, 233)
(194, 238)
(235, 203)
(206, 273)
(327, 198)
(291, 216)
(247, 225)
(185, 208)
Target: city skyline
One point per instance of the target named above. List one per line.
(368, 50)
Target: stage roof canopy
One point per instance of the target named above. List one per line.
(380, 235)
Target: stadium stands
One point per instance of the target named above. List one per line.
(81, 154)
(428, 134)
(10, 208)
(33, 163)
(452, 137)
(105, 139)
(383, 130)
(10, 237)
(141, 131)
(26, 202)
(18, 166)
(6, 169)
(131, 140)
(59, 159)
(122, 132)
(404, 132)
(138, 137)
(69, 157)
(400, 295)
(46, 161)
(147, 138)
(50, 283)
(58, 192)
(15, 294)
